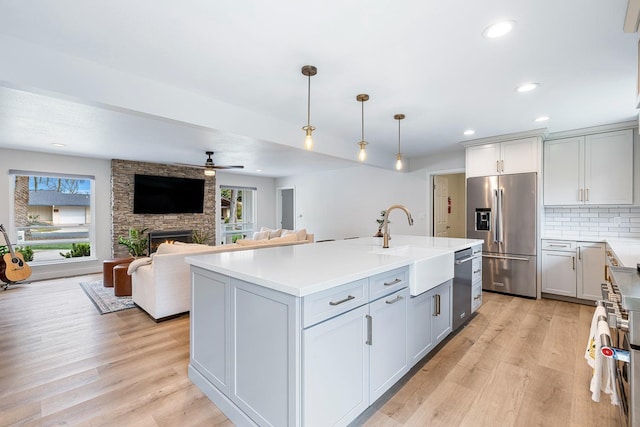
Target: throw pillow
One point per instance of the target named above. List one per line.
(272, 233)
(260, 235)
(300, 234)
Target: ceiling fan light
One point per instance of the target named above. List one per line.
(209, 172)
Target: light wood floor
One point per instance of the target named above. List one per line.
(518, 363)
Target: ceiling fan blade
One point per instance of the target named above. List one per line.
(228, 167)
(189, 165)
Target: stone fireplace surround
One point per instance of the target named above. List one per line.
(122, 216)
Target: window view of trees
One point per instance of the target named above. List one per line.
(52, 217)
(237, 213)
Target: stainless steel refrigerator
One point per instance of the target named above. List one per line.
(501, 210)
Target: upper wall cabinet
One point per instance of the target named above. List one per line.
(593, 169)
(518, 156)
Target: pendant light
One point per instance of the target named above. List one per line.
(399, 117)
(362, 155)
(309, 70)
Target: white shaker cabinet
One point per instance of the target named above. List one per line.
(559, 272)
(429, 320)
(388, 342)
(335, 371)
(591, 271)
(593, 169)
(573, 269)
(518, 156)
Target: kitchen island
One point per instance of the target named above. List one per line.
(314, 334)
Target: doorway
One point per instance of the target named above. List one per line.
(449, 205)
(285, 208)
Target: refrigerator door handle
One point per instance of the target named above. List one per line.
(496, 217)
(513, 258)
(501, 218)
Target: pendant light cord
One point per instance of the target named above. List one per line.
(309, 101)
(362, 102)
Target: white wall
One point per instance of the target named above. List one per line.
(266, 205)
(42, 162)
(346, 203)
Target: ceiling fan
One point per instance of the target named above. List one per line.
(210, 167)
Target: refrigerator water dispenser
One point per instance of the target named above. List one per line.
(483, 219)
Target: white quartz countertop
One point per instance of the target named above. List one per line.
(627, 250)
(302, 270)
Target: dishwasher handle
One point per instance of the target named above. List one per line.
(467, 259)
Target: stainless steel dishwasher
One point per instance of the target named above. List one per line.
(463, 272)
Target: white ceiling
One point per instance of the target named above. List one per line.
(426, 59)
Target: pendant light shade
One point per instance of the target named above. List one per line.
(309, 70)
(399, 117)
(362, 155)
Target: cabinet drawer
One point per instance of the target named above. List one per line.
(476, 272)
(476, 296)
(385, 283)
(329, 303)
(558, 245)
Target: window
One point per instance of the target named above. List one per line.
(238, 212)
(52, 216)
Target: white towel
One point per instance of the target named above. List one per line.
(590, 352)
(603, 378)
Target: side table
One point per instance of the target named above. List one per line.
(121, 280)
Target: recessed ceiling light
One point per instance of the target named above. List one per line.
(469, 132)
(542, 119)
(527, 87)
(57, 144)
(498, 29)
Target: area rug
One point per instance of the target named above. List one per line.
(103, 298)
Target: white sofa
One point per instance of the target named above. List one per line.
(161, 284)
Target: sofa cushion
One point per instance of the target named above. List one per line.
(284, 239)
(300, 234)
(251, 242)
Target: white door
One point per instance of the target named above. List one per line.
(440, 204)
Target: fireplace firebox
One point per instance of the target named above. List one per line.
(158, 236)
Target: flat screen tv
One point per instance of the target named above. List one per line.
(165, 195)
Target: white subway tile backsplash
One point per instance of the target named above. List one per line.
(598, 221)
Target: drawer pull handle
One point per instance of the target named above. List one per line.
(477, 271)
(558, 246)
(395, 300)
(477, 297)
(349, 298)
(395, 282)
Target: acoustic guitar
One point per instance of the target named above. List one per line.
(12, 266)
